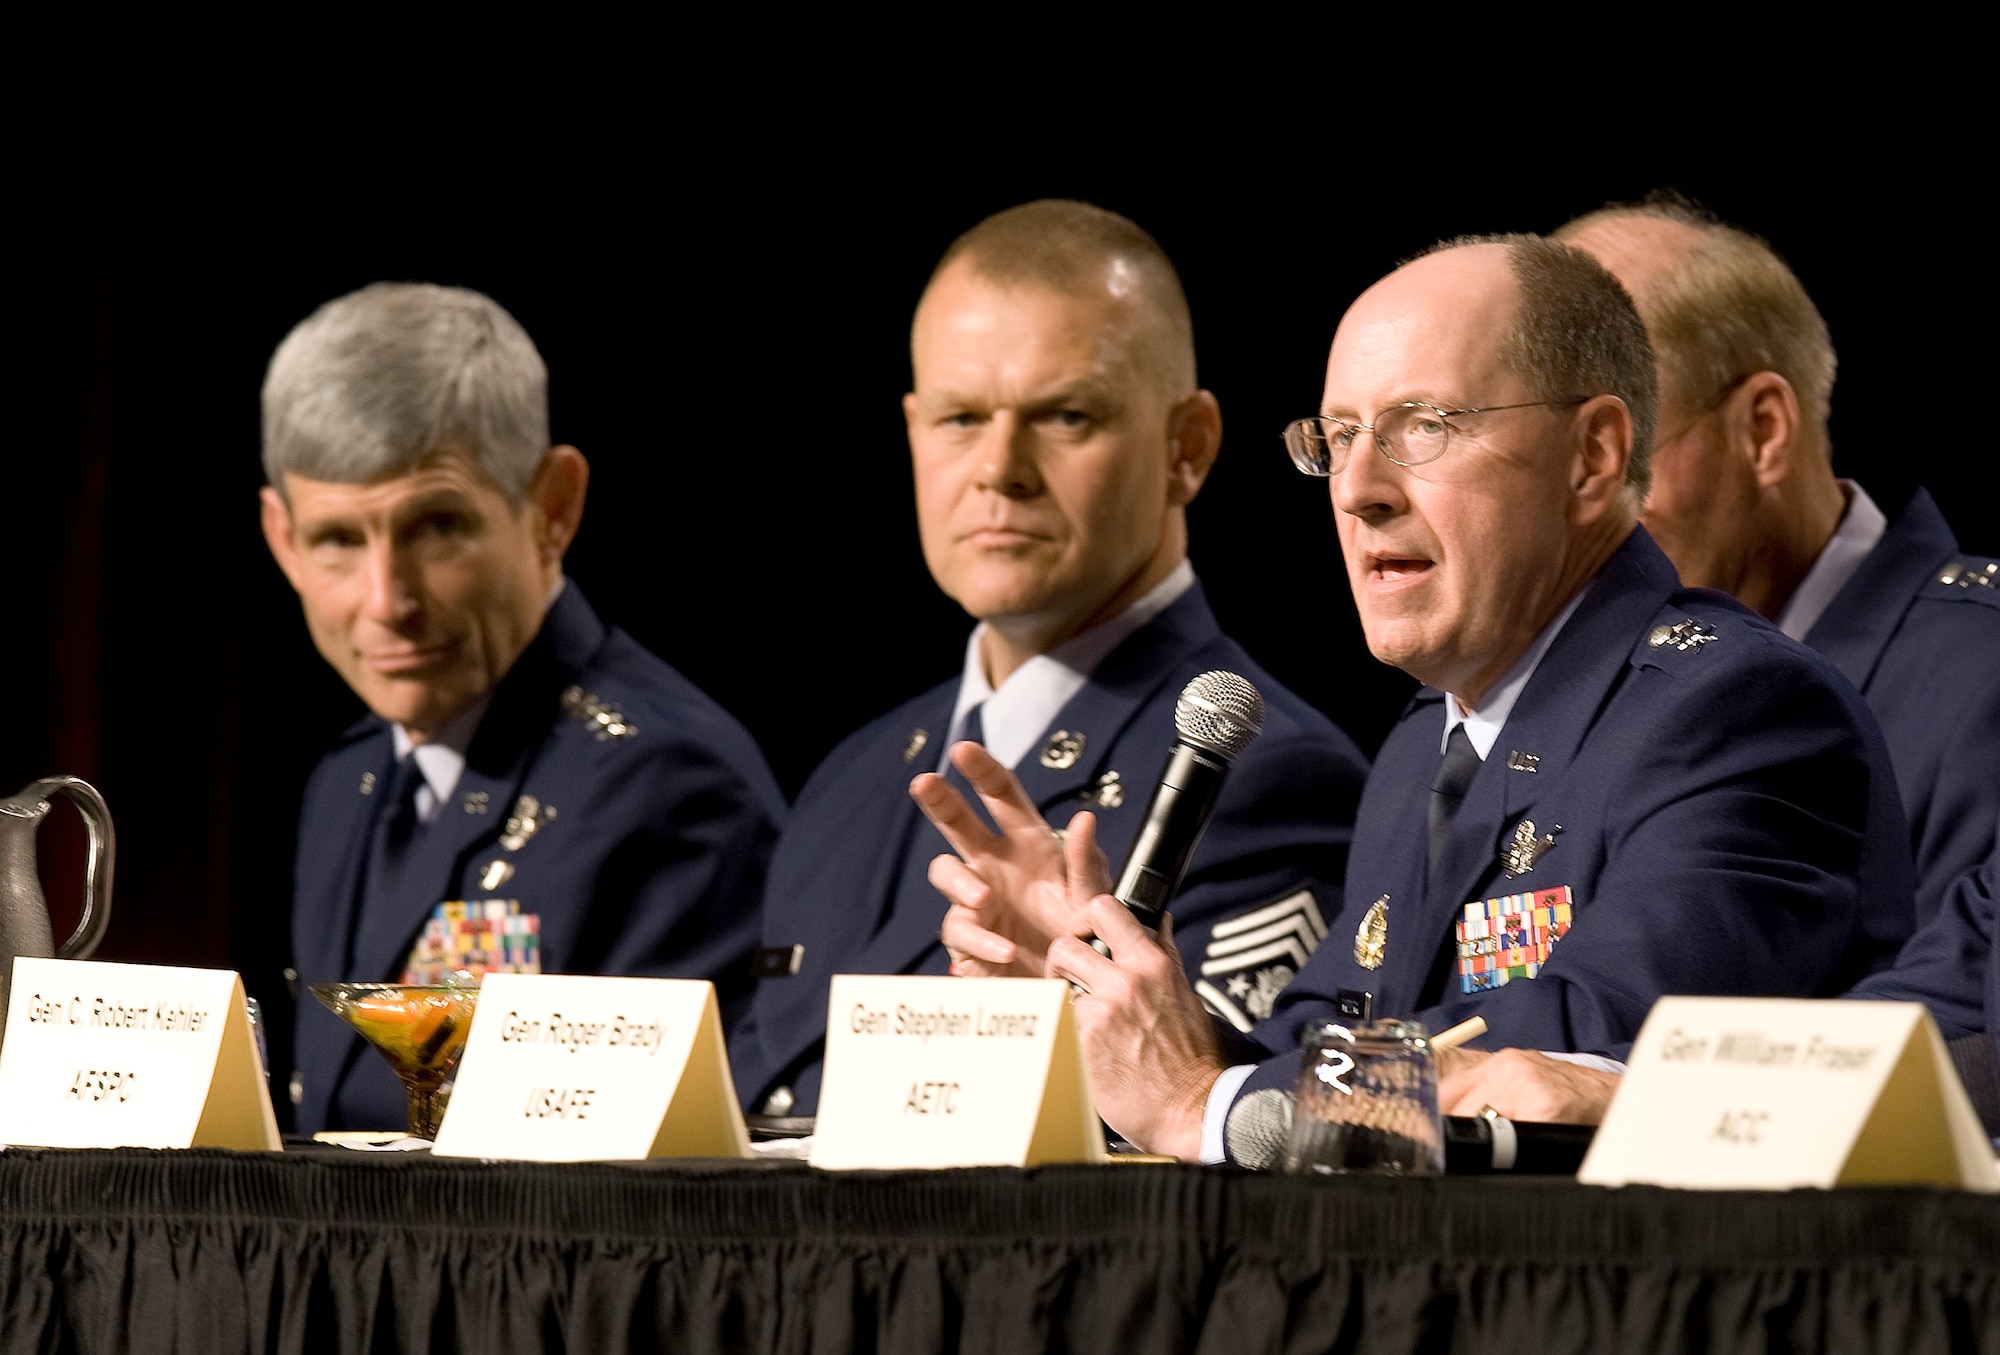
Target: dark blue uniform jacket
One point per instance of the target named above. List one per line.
(1722, 809)
(646, 857)
(1917, 629)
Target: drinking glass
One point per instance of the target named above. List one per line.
(1367, 1101)
(420, 1029)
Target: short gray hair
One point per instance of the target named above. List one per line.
(1727, 309)
(372, 382)
(1576, 332)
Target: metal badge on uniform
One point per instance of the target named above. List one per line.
(777, 962)
(475, 801)
(1510, 937)
(1371, 938)
(604, 722)
(1353, 1004)
(495, 873)
(1684, 635)
(530, 816)
(1518, 761)
(1518, 857)
(1106, 792)
(367, 783)
(1062, 750)
(1958, 574)
(1252, 956)
(918, 738)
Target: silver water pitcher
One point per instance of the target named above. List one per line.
(24, 914)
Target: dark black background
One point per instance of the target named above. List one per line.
(726, 328)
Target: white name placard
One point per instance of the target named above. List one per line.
(101, 1055)
(562, 1068)
(1772, 1093)
(944, 1072)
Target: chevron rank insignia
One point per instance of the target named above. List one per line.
(1252, 956)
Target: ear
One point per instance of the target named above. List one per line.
(1762, 419)
(1194, 437)
(1602, 449)
(557, 493)
(276, 518)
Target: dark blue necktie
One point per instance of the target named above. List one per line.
(393, 879)
(1454, 774)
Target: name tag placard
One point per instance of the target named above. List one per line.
(942, 1072)
(564, 1068)
(1773, 1093)
(101, 1055)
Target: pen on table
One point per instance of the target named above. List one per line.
(1459, 1034)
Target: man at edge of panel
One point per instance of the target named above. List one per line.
(532, 790)
(1744, 499)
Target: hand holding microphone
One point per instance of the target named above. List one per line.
(1216, 718)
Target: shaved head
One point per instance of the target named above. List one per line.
(1076, 249)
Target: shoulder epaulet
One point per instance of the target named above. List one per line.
(603, 721)
(1963, 574)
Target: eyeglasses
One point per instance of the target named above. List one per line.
(1410, 434)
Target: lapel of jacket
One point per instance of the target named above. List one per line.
(332, 854)
(1547, 727)
(1858, 624)
(797, 1018)
(502, 751)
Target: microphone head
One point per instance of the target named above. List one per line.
(1258, 1128)
(1219, 711)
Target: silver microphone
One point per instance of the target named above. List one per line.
(1258, 1128)
(1217, 717)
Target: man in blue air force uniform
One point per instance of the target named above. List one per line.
(1057, 436)
(1744, 499)
(1686, 800)
(518, 749)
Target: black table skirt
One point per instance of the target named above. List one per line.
(212, 1252)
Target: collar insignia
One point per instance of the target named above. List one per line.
(1062, 750)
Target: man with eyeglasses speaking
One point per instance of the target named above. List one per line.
(1610, 787)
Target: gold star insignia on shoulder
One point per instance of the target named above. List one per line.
(1062, 750)
(1520, 855)
(604, 722)
(1371, 938)
(1683, 635)
(1959, 574)
(918, 738)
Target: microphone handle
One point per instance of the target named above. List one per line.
(1175, 818)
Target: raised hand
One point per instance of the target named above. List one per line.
(1014, 891)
